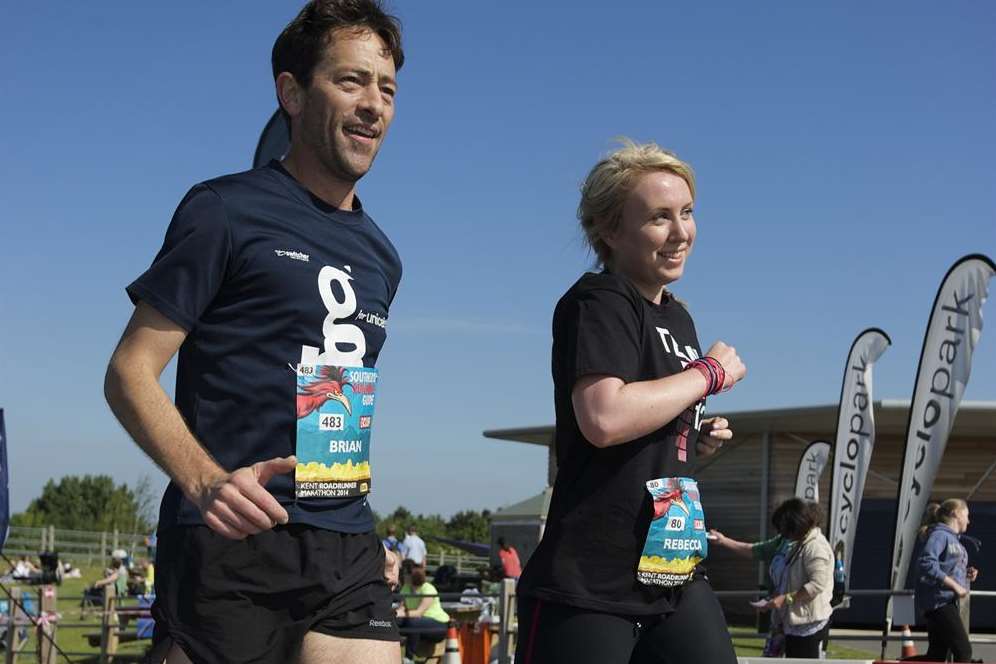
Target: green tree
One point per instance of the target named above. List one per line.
(470, 526)
(90, 502)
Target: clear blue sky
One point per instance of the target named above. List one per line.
(844, 153)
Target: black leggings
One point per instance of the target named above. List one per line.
(806, 647)
(558, 634)
(945, 633)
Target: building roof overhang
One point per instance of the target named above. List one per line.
(975, 419)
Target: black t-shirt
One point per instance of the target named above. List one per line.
(263, 276)
(600, 510)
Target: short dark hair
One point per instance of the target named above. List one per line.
(299, 47)
(418, 576)
(795, 517)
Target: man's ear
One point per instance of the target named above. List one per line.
(289, 93)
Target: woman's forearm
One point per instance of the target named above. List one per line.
(953, 585)
(744, 549)
(610, 412)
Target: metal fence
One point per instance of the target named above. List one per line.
(92, 546)
(463, 562)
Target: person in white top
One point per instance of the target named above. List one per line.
(413, 548)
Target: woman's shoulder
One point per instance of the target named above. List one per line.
(817, 543)
(941, 533)
(601, 287)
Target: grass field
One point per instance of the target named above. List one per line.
(73, 639)
(749, 645)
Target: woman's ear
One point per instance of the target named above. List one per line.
(608, 237)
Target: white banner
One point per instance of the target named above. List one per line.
(945, 365)
(811, 465)
(853, 443)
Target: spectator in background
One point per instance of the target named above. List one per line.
(118, 575)
(122, 555)
(24, 569)
(413, 548)
(420, 617)
(509, 560)
(803, 580)
(772, 552)
(391, 542)
(942, 581)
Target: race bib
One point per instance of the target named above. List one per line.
(334, 416)
(676, 541)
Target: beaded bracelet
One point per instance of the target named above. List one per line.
(712, 371)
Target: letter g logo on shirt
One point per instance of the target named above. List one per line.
(337, 335)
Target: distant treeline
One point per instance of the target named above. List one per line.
(96, 503)
(468, 526)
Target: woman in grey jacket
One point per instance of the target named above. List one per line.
(943, 576)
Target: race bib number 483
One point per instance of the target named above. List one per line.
(334, 417)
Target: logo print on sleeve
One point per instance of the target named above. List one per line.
(345, 344)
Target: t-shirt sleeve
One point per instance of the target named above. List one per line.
(188, 271)
(765, 550)
(603, 335)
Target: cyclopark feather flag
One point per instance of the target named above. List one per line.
(854, 442)
(4, 485)
(807, 478)
(953, 331)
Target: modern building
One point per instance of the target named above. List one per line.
(743, 483)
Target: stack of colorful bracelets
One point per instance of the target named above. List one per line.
(712, 371)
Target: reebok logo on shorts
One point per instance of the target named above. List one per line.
(380, 623)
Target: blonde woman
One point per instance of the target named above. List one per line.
(630, 382)
(942, 581)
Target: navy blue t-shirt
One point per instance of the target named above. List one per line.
(263, 276)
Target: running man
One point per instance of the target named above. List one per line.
(260, 272)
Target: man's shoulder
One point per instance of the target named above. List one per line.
(245, 186)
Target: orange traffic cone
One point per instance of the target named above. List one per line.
(908, 647)
(452, 653)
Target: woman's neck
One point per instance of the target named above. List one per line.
(653, 292)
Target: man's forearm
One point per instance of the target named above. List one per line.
(145, 411)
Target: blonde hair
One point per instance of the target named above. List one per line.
(941, 513)
(610, 181)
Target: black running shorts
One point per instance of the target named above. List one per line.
(253, 600)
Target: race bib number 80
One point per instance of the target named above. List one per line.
(676, 540)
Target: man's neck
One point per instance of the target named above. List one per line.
(313, 175)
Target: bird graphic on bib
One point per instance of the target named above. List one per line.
(327, 386)
(663, 502)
